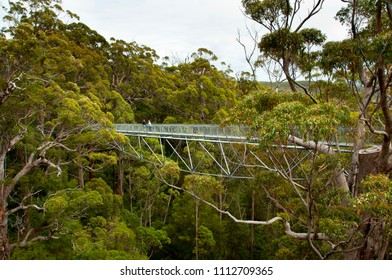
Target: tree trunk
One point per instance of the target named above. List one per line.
(81, 176)
(366, 160)
(383, 161)
(356, 174)
(4, 244)
(382, 164)
(197, 228)
(286, 71)
(120, 183)
(373, 245)
(130, 191)
(252, 227)
(167, 208)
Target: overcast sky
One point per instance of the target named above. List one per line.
(180, 27)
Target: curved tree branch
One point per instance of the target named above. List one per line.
(315, 9)
(27, 242)
(324, 149)
(286, 224)
(24, 207)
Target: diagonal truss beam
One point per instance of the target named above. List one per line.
(234, 156)
(231, 160)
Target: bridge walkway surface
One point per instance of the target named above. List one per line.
(199, 132)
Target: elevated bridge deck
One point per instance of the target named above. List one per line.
(197, 132)
(233, 149)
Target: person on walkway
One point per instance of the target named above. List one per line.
(144, 124)
(149, 125)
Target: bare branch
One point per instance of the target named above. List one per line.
(20, 135)
(320, 147)
(287, 176)
(24, 207)
(286, 224)
(372, 130)
(26, 242)
(9, 89)
(304, 89)
(324, 149)
(315, 9)
(53, 165)
(29, 165)
(249, 56)
(269, 27)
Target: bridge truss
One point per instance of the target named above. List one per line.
(204, 149)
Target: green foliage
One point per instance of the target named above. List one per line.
(338, 56)
(277, 42)
(62, 86)
(170, 172)
(206, 242)
(181, 229)
(38, 251)
(99, 240)
(201, 93)
(202, 185)
(269, 11)
(376, 197)
(151, 239)
(276, 115)
(289, 249)
(93, 226)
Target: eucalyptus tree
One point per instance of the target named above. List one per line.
(51, 103)
(136, 76)
(366, 67)
(194, 228)
(363, 61)
(203, 93)
(337, 216)
(287, 41)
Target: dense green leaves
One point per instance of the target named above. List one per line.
(376, 197)
(270, 13)
(277, 115)
(71, 189)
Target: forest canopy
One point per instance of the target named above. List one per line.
(70, 187)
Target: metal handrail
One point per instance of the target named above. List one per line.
(237, 132)
(207, 132)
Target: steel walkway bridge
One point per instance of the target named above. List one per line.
(201, 148)
(195, 132)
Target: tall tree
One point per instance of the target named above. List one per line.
(286, 37)
(366, 66)
(361, 227)
(52, 100)
(203, 94)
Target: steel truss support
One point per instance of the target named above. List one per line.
(231, 160)
(197, 147)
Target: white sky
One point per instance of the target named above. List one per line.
(180, 27)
